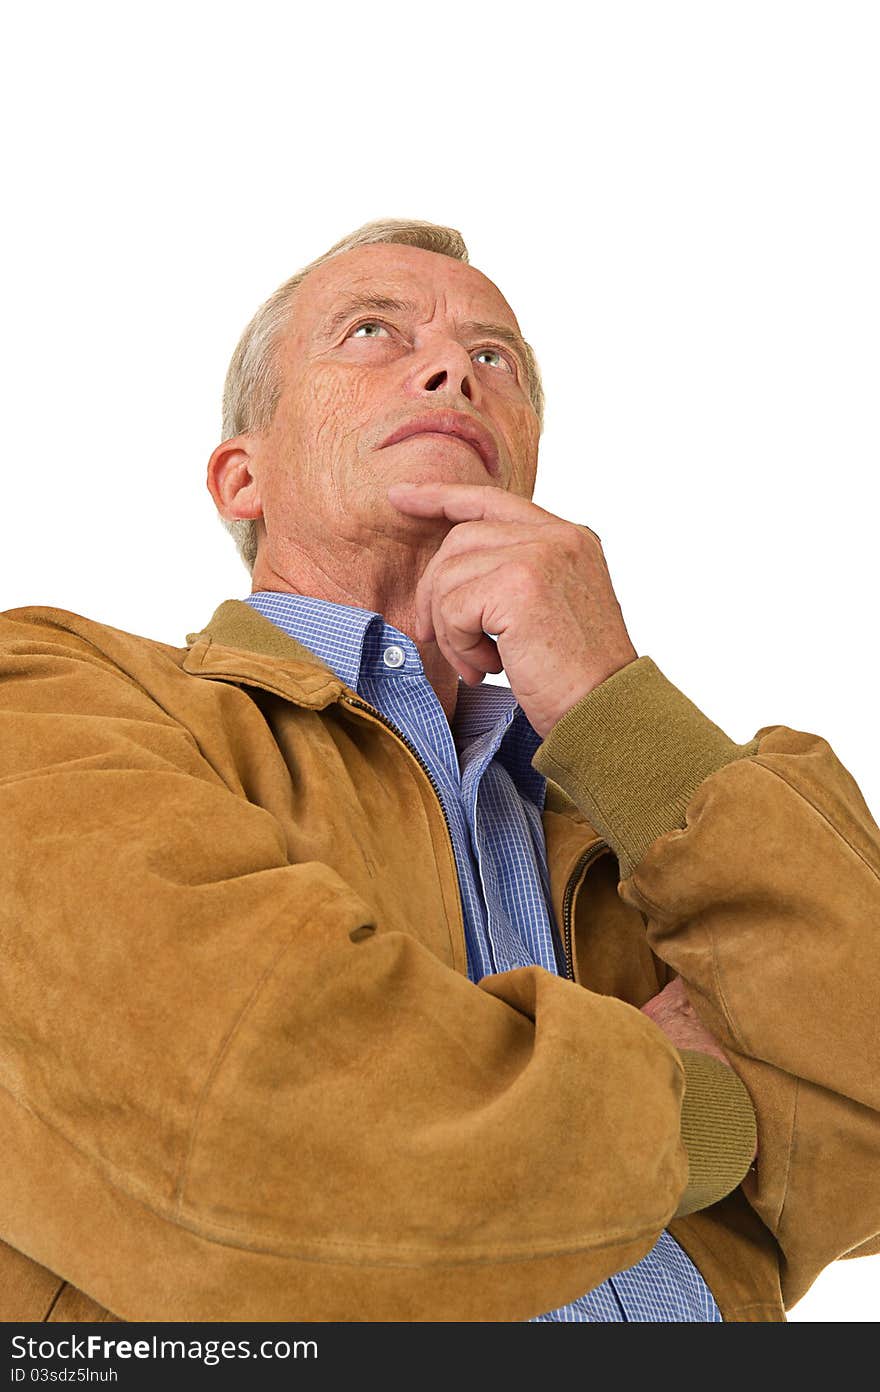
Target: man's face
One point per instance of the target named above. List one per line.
(353, 374)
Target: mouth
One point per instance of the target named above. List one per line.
(453, 424)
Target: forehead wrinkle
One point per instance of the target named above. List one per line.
(364, 299)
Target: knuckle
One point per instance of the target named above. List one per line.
(526, 575)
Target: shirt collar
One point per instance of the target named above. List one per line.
(334, 632)
(353, 642)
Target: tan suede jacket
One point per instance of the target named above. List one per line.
(245, 1075)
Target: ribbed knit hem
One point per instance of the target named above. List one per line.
(718, 1130)
(631, 755)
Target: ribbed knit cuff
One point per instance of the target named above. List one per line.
(631, 755)
(718, 1130)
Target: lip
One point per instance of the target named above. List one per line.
(442, 422)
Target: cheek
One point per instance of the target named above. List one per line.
(334, 404)
(525, 454)
(322, 419)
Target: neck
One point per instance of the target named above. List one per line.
(364, 582)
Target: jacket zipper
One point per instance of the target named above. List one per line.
(574, 879)
(371, 710)
(583, 861)
(588, 855)
(383, 720)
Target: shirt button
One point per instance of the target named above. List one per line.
(394, 656)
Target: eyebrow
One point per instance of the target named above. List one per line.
(387, 304)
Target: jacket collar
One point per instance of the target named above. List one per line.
(240, 645)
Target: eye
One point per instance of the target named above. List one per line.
(377, 324)
(367, 324)
(497, 354)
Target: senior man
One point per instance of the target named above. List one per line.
(338, 986)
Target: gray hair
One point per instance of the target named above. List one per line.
(253, 381)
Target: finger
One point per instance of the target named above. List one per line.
(465, 539)
(677, 992)
(460, 502)
(459, 621)
(444, 574)
(463, 502)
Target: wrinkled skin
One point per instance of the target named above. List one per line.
(316, 480)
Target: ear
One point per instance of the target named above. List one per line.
(231, 480)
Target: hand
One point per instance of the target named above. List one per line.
(672, 1012)
(537, 582)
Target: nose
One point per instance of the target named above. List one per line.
(448, 367)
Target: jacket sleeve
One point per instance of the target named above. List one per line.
(229, 1094)
(756, 868)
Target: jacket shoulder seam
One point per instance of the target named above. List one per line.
(819, 813)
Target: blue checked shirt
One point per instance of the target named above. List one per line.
(493, 800)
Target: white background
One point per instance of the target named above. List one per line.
(679, 201)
